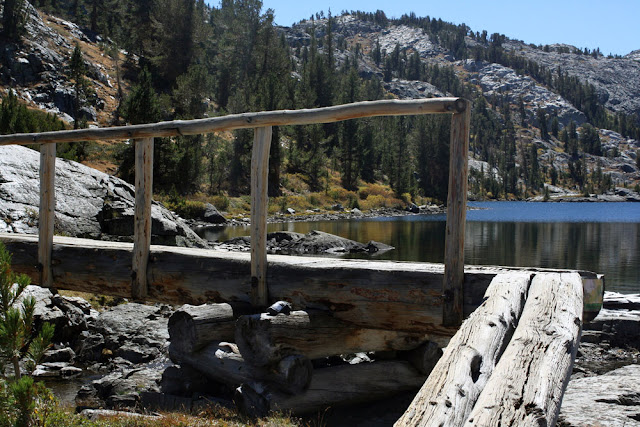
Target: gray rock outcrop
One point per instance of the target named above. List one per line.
(611, 399)
(615, 80)
(495, 79)
(89, 203)
(314, 242)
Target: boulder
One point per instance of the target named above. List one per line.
(89, 203)
(120, 389)
(212, 215)
(611, 399)
(135, 332)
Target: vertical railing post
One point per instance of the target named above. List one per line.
(456, 215)
(46, 215)
(142, 216)
(259, 210)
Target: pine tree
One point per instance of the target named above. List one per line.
(77, 71)
(13, 17)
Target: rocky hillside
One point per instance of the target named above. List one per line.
(546, 119)
(520, 92)
(37, 69)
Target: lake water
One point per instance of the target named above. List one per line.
(599, 237)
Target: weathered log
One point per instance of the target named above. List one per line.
(259, 208)
(374, 294)
(264, 339)
(528, 383)
(142, 217)
(424, 358)
(335, 113)
(222, 362)
(192, 327)
(452, 284)
(450, 392)
(333, 386)
(46, 214)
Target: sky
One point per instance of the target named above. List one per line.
(611, 25)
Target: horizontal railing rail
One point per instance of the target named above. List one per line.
(262, 122)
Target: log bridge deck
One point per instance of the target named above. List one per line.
(507, 364)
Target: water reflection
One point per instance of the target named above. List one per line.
(612, 248)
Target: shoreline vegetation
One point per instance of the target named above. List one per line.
(370, 201)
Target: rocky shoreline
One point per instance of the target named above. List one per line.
(120, 355)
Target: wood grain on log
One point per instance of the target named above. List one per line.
(46, 214)
(425, 357)
(192, 327)
(453, 387)
(264, 339)
(222, 362)
(331, 114)
(373, 294)
(142, 216)
(452, 314)
(333, 386)
(259, 212)
(528, 383)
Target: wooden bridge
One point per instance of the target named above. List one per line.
(508, 363)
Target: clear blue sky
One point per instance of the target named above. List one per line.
(611, 25)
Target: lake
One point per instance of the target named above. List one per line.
(599, 237)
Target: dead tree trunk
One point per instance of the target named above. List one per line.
(192, 327)
(528, 383)
(264, 339)
(450, 392)
(334, 386)
(222, 362)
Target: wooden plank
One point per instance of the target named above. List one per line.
(387, 107)
(453, 387)
(259, 212)
(456, 217)
(264, 339)
(46, 216)
(528, 383)
(142, 217)
(375, 294)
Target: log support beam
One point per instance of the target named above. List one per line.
(46, 215)
(259, 211)
(452, 314)
(453, 387)
(142, 217)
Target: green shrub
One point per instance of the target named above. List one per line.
(221, 202)
(19, 344)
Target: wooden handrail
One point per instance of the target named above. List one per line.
(262, 122)
(247, 121)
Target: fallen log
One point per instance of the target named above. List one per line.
(192, 327)
(374, 294)
(222, 362)
(333, 386)
(528, 383)
(453, 387)
(264, 339)
(423, 358)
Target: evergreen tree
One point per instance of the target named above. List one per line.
(13, 16)
(590, 140)
(541, 116)
(77, 71)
